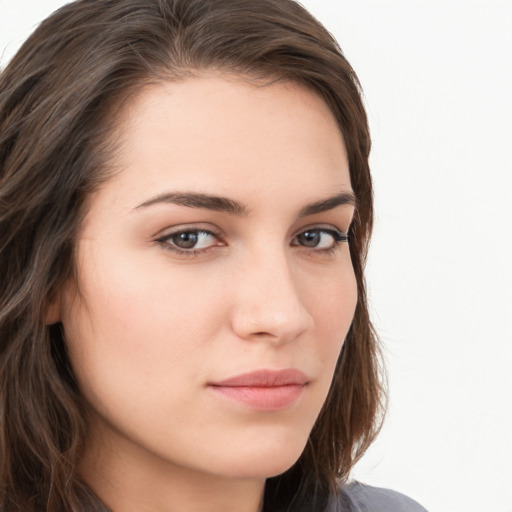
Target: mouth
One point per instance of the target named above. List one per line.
(263, 390)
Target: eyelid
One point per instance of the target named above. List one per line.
(323, 227)
(180, 228)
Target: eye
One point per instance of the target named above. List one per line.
(189, 240)
(320, 239)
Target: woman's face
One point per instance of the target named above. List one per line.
(215, 285)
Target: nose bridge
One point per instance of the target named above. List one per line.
(268, 302)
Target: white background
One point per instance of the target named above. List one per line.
(437, 77)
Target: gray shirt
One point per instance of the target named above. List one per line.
(354, 497)
(357, 497)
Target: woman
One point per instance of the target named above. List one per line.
(185, 207)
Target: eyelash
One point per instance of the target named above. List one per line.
(338, 238)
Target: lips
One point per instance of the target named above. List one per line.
(264, 390)
(266, 378)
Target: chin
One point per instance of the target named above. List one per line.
(262, 460)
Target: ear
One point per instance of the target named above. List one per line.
(53, 311)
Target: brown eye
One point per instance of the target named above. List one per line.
(309, 238)
(186, 240)
(319, 238)
(189, 240)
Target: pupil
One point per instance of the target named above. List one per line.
(310, 238)
(186, 240)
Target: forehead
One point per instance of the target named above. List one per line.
(230, 136)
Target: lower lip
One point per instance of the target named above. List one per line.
(262, 398)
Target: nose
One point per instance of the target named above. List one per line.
(268, 303)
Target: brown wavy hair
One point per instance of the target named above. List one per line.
(58, 101)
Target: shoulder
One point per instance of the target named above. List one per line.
(357, 497)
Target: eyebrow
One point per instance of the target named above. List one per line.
(202, 201)
(232, 207)
(324, 205)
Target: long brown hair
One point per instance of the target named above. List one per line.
(58, 98)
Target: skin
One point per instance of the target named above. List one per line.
(153, 325)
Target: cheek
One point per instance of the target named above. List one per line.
(139, 327)
(334, 302)
(337, 308)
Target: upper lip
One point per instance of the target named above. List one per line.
(265, 378)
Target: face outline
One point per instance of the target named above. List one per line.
(152, 330)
